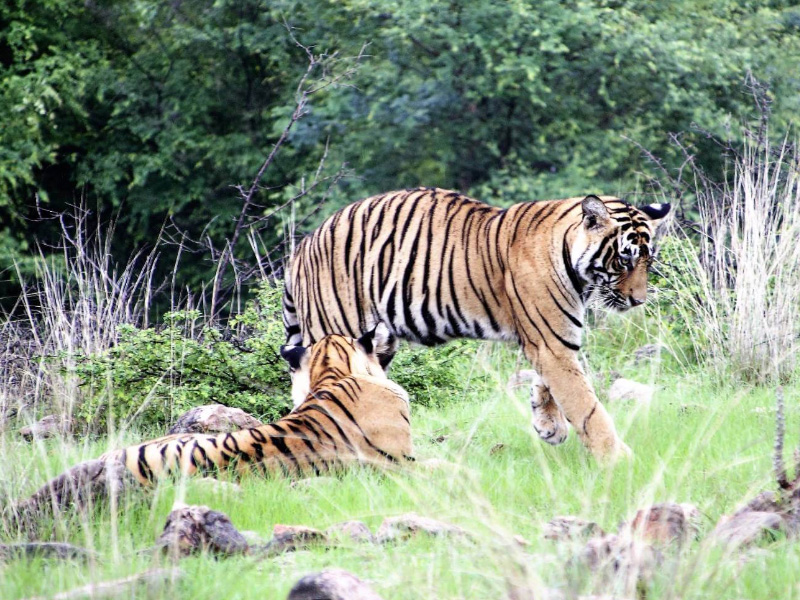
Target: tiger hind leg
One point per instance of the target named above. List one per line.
(548, 420)
(290, 321)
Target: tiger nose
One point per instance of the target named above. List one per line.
(636, 301)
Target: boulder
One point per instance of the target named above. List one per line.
(214, 418)
(49, 426)
(191, 529)
(664, 523)
(290, 538)
(59, 550)
(411, 524)
(745, 528)
(332, 584)
(571, 528)
(620, 558)
(355, 530)
(648, 352)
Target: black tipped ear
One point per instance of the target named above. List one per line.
(378, 340)
(595, 213)
(367, 341)
(293, 355)
(656, 212)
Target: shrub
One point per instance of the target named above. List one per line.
(437, 376)
(151, 375)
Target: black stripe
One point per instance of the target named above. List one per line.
(573, 276)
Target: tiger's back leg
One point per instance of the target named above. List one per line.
(291, 323)
(548, 421)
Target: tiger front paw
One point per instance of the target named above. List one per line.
(550, 425)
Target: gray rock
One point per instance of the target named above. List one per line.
(748, 527)
(332, 584)
(290, 538)
(355, 530)
(571, 528)
(626, 389)
(49, 426)
(648, 352)
(191, 529)
(620, 559)
(214, 418)
(44, 550)
(411, 524)
(664, 523)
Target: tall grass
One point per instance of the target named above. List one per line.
(743, 283)
(72, 306)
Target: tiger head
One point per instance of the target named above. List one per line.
(335, 357)
(615, 250)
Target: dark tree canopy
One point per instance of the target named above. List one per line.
(155, 111)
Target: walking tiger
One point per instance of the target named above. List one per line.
(435, 265)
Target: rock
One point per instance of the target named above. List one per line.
(625, 389)
(44, 550)
(214, 418)
(411, 524)
(620, 558)
(355, 530)
(748, 527)
(49, 426)
(571, 528)
(647, 352)
(332, 584)
(664, 523)
(191, 529)
(289, 538)
(763, 502)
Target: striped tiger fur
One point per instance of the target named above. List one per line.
(352, 413)
(435, 265)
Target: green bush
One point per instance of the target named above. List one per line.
(437, 376)
(152, 375)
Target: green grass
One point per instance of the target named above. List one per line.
(700, 441)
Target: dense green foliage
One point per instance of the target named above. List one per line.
(157, 109)
(152, 375)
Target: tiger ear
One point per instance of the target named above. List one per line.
(377, 341)
(595, 213)
(656, 212)
(293, 355)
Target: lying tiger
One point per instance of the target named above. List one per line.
(351, 413)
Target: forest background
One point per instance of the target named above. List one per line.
(150, 113)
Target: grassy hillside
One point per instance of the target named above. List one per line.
(699, 441)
